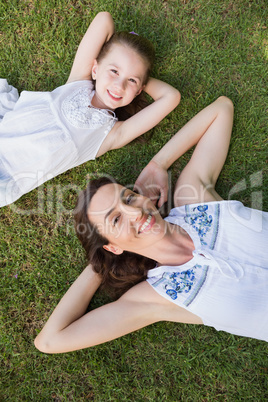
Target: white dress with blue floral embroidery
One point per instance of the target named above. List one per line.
(226, 281)
(43, 134)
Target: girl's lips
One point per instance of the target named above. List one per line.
(114, 97)
(147, 223)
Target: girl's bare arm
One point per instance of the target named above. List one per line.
(166, 98)
(99, 32)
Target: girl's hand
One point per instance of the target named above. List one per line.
(99, 32)
(153, 183)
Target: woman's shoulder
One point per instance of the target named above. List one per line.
(143, 293)
(201, 221)
(155, 307)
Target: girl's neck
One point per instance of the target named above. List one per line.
(97, 103)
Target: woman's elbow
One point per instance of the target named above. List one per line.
(227, 101)
(42, 344)
(177, 97)
(174, 98)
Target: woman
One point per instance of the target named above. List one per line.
(211, 254)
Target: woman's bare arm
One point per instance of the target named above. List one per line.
(69, 328)
(210, 129)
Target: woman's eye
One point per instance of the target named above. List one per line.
(114, 71)
(130, 198)
(116, 220)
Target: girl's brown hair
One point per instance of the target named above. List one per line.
(144, 48)
(119, 272)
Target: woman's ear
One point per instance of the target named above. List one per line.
(94, 69)
(113, 249)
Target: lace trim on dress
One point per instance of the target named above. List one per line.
(78, 110)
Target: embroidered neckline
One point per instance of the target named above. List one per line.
(79, 111)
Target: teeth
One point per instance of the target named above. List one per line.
(144, 226)
(115, 96)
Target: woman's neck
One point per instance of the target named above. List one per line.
(175, 248)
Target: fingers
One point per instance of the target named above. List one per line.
(161, 200)
(163, 197)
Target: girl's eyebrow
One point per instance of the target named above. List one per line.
(112, 209)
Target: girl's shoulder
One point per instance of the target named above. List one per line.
(71, 85)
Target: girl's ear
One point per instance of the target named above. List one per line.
(94, 69)
(139, 91)
(113, 249)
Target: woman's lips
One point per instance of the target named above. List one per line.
(147, 224)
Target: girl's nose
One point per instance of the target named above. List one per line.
(121, 83)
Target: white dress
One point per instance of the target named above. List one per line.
(226, 281)
(43, 134)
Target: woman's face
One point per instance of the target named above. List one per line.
(128, 220)
(119, 77)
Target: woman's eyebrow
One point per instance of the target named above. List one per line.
(112, 209)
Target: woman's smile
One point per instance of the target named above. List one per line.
(147, 225)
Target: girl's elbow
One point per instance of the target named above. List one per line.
(104, 14)
(106, 18)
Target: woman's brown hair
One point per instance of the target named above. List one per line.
(118, 272)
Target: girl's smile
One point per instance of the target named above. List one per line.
(114, 97)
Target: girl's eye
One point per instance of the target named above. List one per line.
(114, 71)
(132, 80)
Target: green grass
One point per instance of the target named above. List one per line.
(205, 49)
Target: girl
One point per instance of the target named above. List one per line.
(45, 133)
(205, 264)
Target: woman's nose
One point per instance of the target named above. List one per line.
(134, 213)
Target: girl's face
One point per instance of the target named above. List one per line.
(119, 77)
(128, 220)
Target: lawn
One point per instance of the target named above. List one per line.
(205, 48)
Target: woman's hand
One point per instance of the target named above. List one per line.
(153, 183)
